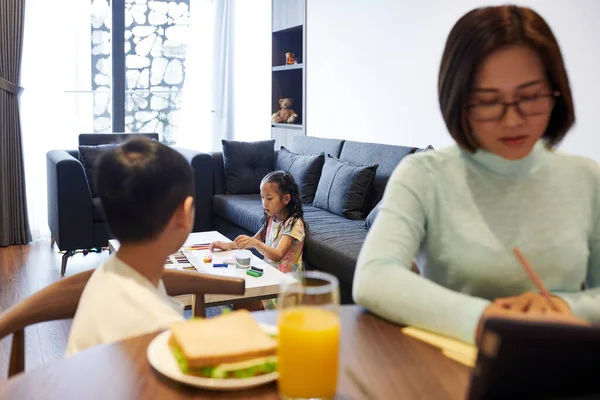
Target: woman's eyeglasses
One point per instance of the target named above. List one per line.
(527, 106)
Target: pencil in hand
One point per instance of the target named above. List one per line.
(535, 278)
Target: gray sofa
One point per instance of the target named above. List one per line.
(333, 242)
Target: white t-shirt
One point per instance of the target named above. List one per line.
(118, 303)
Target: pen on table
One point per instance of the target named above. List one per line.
(534, 278)
(222, 265)
(196, 247)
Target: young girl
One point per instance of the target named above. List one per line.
(281, 238)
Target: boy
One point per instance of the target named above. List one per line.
(146, 190)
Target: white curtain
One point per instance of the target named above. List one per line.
(56, 104)
(195, 130)
(252, 70)
(222, 93)
(228, 74)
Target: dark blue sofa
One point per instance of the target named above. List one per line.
(75, 217)
(333, 242)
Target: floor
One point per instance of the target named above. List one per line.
(25, 270)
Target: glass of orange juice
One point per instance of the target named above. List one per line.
(309, 336)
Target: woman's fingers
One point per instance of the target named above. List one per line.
(505, 302)
(537, 307)
(552, 316)
(522, 302)
(561, 305)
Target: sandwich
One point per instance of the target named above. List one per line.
(232, 345)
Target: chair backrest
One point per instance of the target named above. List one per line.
(60, 299)
(94, 139)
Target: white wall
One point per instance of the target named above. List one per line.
(252, 70)
(373, 67)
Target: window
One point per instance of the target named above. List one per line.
(156, 35)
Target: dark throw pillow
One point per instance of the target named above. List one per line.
(89, 159)
(245, 164)
(306, 170)
(371, 217)
(344, 188)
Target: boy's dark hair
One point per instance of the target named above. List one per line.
(141, 183)
(479, 33)
(285, 185)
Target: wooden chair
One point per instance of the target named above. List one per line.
(60, 300)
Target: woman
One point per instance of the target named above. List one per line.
(505, 97)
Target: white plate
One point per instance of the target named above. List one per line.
(161, 358)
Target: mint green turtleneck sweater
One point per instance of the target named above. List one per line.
(462, 214)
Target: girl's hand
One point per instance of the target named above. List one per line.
(246, 242)
(218, 245)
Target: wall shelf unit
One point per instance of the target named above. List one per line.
(289, 36)
(287, 67)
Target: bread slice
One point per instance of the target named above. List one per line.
(228, 338)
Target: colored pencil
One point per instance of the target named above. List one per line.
(534, 278)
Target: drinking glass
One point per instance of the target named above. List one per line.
(309, 336)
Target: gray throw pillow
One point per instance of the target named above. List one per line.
(89, 158)
(306, 170)
(344, 188)
(371, 217)
(245, 164)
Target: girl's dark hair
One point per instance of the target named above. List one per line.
(285, 185)
(479, 33)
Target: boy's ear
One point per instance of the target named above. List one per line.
(187, 212)
(286, 199)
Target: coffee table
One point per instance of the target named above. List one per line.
(265, 287)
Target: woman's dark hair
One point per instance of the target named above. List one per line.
(285, 185)
(141, 183)
(479, 33)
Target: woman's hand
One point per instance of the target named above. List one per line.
(533, 303)
(528, 307)
(246, 242)
(218, 245)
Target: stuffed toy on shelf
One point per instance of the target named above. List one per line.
(286, 114)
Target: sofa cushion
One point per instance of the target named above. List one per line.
(306, 170)
(387, 156)
(89, 159)
(371, 217)
(333, 242)
(244, 210)
(344, 188)
(245, 164)
(314, 145)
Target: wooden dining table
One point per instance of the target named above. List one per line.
(376, 362)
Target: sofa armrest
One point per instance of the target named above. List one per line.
(218, 173)
(202, 165)
(70, 209)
